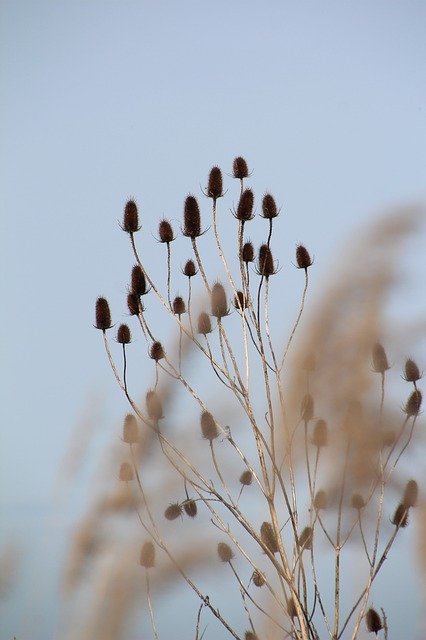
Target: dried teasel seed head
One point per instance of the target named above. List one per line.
(179, 306)
(219, 304)
(357, 501)
(130, 429)
(258, 578)
(291, 608)
(123, 334)
(269, 538)
(204, 325)
(320, 500)
(411, 371)
(208, 426)
(380, 360)
(400, 517)
(240, 301)
(224, 552)
(173, 511)
(190, 508)
(215, 184)
(265, 262)
(126, 472)
(249, 635)
(307, 408)
(147, 556)
(191, 218)
(138, 282)
(413, 404)
(103, 314)
(320, 434)
(240, 168)
(269, 207)
(133, 304)
(305, 538)
(153, 405)
(165, 231)
(246, 477)
(411, 493)
(245, 206)
(373, 621)
(131, 217)
(190, 270)
(248, 252)
(303, 258)
(156, 352)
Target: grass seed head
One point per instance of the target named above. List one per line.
(269, 207)
(380, 359)
(215, 184)
(224, 552)
(126, 472)
(411, 493)
(190, 508)
(400, 517)
(138, 282)
(413, 404)
(123, 334)
(147, 556)
(131, 217)
(303, 258)
(191, 218)
(103, 314)
(240, 168)
(165, 231)
(130, 429)
(154, 407)
(208, 426)
(219, 303)
(204, 325)
(245, 206)
(411, 371)
(373, 621)
(173, 511)
(269, 538)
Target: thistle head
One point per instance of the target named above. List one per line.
(190, 270)
(103, 314)
(133, 304)
(400, 517)
(215, 184)
(413, 404)
(130, 217)
(130, 429)
(411, 371)
(219, 304)
(179, 306)
(191, 218)
(240, 168)
(165, 231)
(268, 537)
(156, 351)
(153, 404)
(173, 511)
(373, 621)
(204, 325)
(208, 426)
(265, 262)
(246, 478)
(269, 207)
(380, 360)
(224, 552)
(190, 508)
(248, 252)
(138, 282)
(303, 258)
(123, 334)
(245, 206)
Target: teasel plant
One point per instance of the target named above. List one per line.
(305, 463)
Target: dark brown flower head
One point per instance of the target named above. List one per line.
(380, 360)
(147, 557)
(204, 323)
(303, 258)
(240, 168)
(413, 404)
(245, 206)
(269, 207)
(156, 352)
(240, 301)
(411, 372)
(400, 517)
(219, 304)
(179, 306)
(269, 538)
(123, 334)
(320, 500)
(173, 511)
(215, 184)
(373, 621)
(130, 429)
(258, 578)
(191, 218)
(248, 252)
(165, 231)
(103, 314)
(224, 552)
(357, 501)
(131, 217)
(190, 508)
(320, 434)
(126, 472)
(190, 270)
(305, 538)
(265, 262)
(291, 608)
(411, 493)
(153, 405)
(307, 408)
(133, 304)
(208, 426)
(246, 477)
(138, 282)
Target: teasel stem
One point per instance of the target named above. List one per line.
(406, 444)
(214, 368)
(197, 626)
(296, 324)
(180, 348)
(200, 264)
(189, 305)
(156, 375)
(216, 466)
(363, 540)
(263, 276)
(169, 274)
(124, 369)
(151, 612)
(267, 328)
(337, 550)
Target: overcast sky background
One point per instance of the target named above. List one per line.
(105, 100)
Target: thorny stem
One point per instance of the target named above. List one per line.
(151, 612)
(168, 274)
(296, 324)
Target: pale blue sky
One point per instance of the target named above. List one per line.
(104, 100)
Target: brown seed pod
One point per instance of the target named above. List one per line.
(320, 500)
(249, 635)
(179, 306)
(248, 252)
(131, 217)
(204, 325)
(303, 258)
(357, 501)
(173, 511)
(190, 270)
(245, 206)
(246, 478)
(130, 429)
(123, 334)
(190, 508)
(269, 207)
(219, 304)
(373, 621)
(133, 304)
(291, 608)
(305, 538)
(138, 282)
(126, 472)
(307, 408)
(191, 218)
(411, 371)
(400, 517)
(156, 352)
(147, 556)
(265, 262)
(258, 578)
(165, 231)
(269, 538)
(103, 314)
(320, 434)
(224, 552)
(208, 426)
(380, 360)
(215, 184)
(411, 493)
(153, 405)
(240, 168)
(240, 301)
(413, 404)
